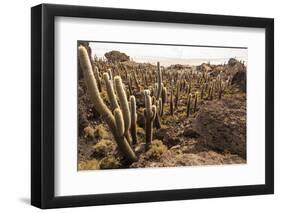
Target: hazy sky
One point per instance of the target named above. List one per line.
(168, 55)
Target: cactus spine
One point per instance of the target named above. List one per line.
(133, 119)
(103, 110)
(149, 114)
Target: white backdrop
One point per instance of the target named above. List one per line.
(15, 106)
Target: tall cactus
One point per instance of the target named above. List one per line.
(195, 102)
(114, 120)
(221, 89)
(149, 115)
(202, 91)
(130, 84)
(171, 101)
(159, 82)
(133, 119)
(97, 77)
(177, 94)
(124, 105)
(188, 105)
(136, 80)
(164, 99)
(158, 104)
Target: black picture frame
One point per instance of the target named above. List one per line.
(43, 117)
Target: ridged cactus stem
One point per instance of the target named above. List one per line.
(157, 116)
(97, 77)
(136, 80)
(171, 102)
(164, 99)
(202, 91)
(100, 106)
(110, 92)
(209, 91)
(177, 94)
(212, 92)
(133, 128)
(119, 122)
(123, 144)
(109, 74)
(93, 90)
(124, 105)
(145, 80)
(130, 85)
(126, 72)
(189, 88)
(195, 102)
(149, 114)
(188, 105)
(221, 90)
(159, 82)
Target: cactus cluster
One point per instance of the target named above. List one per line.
(118, 121)
(159, 91)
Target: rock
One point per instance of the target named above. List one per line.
(116, 56)
(239, 79)
(168, 136)
(237, 71)
(161, 133)
(172, 141)
(191, 133)
(232, 61)
(222, 125)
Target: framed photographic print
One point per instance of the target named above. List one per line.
(139, 106)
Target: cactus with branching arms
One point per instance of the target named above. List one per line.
(117, 121)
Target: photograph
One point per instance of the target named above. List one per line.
(170, 104)
(160, 105)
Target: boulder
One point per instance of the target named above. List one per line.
(116, 56)
(238, 72)
(239, 79)
(222, 125)
(232, 62)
